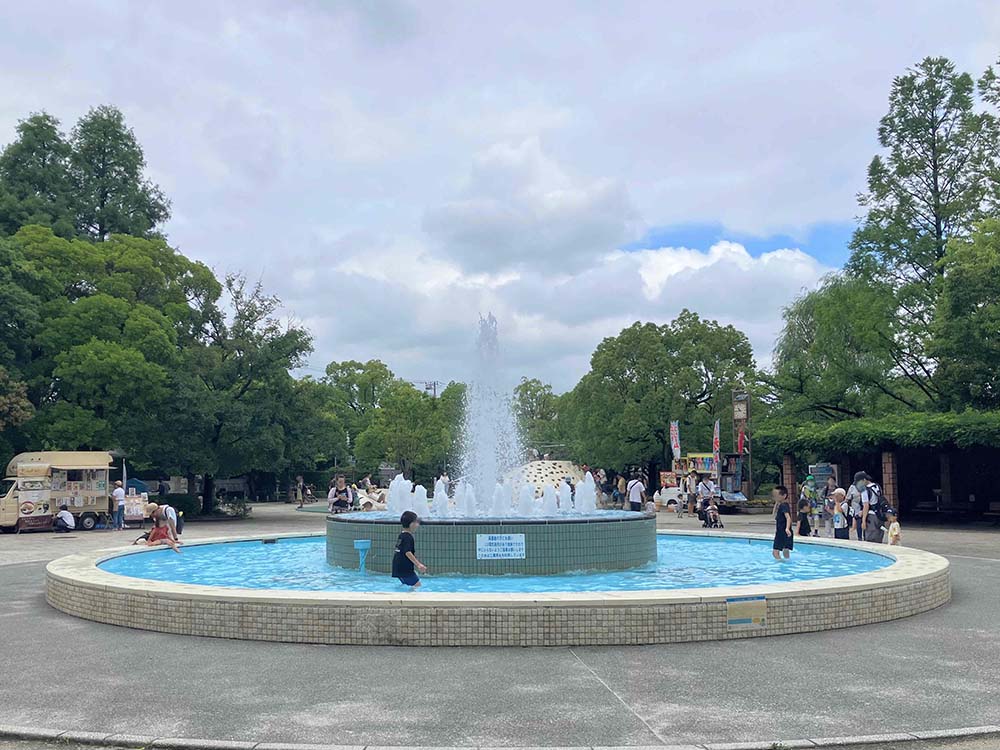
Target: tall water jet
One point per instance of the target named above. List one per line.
(491, 444)
(550, 501)
(586, 495)
(565, 497)
(440, 505)
(526, 500)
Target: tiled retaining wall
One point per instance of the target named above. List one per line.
(76, 586)
(551, 547)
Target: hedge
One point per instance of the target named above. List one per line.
(966, 429)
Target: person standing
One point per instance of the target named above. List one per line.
(841, 515)
(620, 488)
(854, 498)
(810, 495)
(636, 492)
(871, 507)
(804, 516)
(783, 539)
(691, 490)
(118, 495)
(829, 506)
(893, 534)
(706, 490)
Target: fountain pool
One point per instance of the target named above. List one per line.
(705, 585)
(683, 562)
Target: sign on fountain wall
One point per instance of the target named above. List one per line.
(499, 546)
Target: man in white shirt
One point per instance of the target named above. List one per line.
(64, 520)
(636, 492)
(118, 495)
(163, 514)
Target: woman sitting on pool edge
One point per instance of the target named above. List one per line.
(159, 535)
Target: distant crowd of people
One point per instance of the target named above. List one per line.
(862, 508)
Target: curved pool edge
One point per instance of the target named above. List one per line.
(915, 582)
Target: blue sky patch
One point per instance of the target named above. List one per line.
(827, 242)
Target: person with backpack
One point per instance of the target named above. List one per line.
(872, 507)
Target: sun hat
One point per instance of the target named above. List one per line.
(150, 507)
(840, 491)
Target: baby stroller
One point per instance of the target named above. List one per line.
(709, 516)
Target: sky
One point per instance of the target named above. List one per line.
(392, 169)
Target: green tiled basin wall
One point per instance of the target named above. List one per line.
(549, 546)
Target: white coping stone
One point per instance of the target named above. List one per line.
(182, 743)
(911, 565)
(766, 745)
(864, 739)
(128, 740)
(944, 734)
(84, 738)
(28, 733)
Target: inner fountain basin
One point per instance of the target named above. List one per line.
(912, 581)
(491, 546)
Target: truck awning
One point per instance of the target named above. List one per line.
(59, 460)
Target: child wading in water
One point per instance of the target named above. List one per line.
(783, 541)
(404, 560)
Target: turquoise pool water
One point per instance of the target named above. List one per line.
(684, 562)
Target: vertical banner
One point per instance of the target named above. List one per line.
(715, 449)
(740, 439)
(675, 439)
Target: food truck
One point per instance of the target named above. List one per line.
(37, 484)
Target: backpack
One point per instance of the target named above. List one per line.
(876, 503)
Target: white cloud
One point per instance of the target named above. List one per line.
(520, 208)
(391, 169)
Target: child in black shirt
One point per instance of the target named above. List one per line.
(404, 560)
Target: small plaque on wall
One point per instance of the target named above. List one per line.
(746, 612)
(499, 546)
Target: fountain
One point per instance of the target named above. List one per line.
(517, 556)
(498, 521)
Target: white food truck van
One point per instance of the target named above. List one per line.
(37, 484)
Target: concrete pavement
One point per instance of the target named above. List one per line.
(937, 670)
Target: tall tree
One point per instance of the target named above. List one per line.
(107, 163)
(619, 413)
(358, 388)
(932, 184)
(35, 184)
(537, 410)
(967, 333)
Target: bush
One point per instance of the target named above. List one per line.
(187, 504)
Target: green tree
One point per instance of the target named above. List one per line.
(107, 165)
(412, 431)
(619, 413)
(358, 391)
(537, 410)
(244, 387)
(935, 180)
(967, 332)
(839, 352)
(35, 184)
(15, 409)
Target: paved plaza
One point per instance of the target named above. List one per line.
(934, 671)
